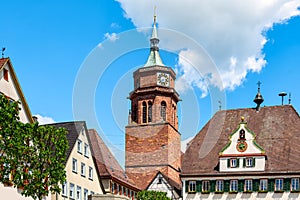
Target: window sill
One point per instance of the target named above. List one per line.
(295, 191)
(219, 192)
(191, 192)
(205, 192)
(262, 191)
(278, 191)
(233, 192)
(248, 191)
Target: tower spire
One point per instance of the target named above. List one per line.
(154, 57)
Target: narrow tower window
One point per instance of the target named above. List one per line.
(149, 111)
(163, 107)
(144, 112)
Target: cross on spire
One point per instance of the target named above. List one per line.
(259, 83)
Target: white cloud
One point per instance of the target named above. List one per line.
(111, 36)
(232, 32)
(114, 25)
(44, 120)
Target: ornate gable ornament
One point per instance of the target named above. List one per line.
(242, 148)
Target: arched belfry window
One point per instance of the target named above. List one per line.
(144, 112)
(149, 111)
(163, 107)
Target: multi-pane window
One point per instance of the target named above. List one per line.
(64, 189)
(86, 150)
(149, 111)
(249, 162)
(219, 186)
(144, 112)
(85, 194)
(79, 146)
(78, 193)
(263, 185)
(233, 162)
(82, 169)
(295, 184)
(163, 108)
(74, 165)
(205, 186)
(278, 184)
(192, 186)
(72, 188)
(248, 185)
(91, 173)
(233, 185)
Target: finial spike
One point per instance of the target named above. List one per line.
(290, 98)
(3, 49)
(259, 83)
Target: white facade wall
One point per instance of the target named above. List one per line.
(92, 185)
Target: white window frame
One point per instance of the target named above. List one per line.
(86, 150)
(64, 189)
(205, 186)
(192, 186)
(233, 162)
(233, 187)
(279, 184)
(263, 184)
(90, 173)
(295, 184)
(249, 162)
(78, 193)
(82, 171)
(79, 146)
(72, 191)
(85, 194)
(248, 185)
(74, 165)
(219, 186)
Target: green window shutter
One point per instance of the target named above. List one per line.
(271, 185)
(228, 162)
(255, 184)
(244, 162)
(240, 185)
(253, 162)
(212, 186)
(186, 186)
(226, 185)
(237, 162)
(198, 186)
(287, 184)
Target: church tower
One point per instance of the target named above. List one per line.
(152, 138)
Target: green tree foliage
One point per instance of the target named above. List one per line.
(32, 157)
(151, 195)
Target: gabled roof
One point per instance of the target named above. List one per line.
(171, 182)
(3, 62)
(107, 166)
(277, 130)
(74, 129)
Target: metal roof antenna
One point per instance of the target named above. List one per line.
(258, 98)
(3, 49)
(282, 95)
(290, 98)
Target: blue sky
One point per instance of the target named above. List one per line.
(56, 45)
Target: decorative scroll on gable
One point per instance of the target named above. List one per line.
(242, 153)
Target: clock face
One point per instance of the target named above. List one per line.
(241, 146)
(163, 79)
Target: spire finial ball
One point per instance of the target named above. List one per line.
(242, 118)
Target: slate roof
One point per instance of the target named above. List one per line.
(107, 166)
(73, 129)
(277, 130)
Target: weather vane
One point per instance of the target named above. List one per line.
(3, 49)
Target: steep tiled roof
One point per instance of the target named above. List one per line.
(277, 130)
(3, 61)
(74, 129)
(108, 167)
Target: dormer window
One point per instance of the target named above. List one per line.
(249, 162)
